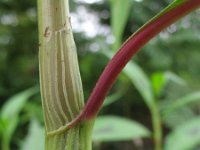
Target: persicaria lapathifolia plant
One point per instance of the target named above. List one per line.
(68, 123)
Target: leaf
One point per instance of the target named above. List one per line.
(112, 98)
(170, 76)
(10, 111)
(160, 79)
(35, 138)
(184, 137)
(14, 105)
(112, 128)
(158, 82)
(181, 102)
(120, 10)
(141, 82)
(180, 116)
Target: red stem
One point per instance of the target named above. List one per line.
(126, 52)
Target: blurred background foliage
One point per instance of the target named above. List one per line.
(161, 83)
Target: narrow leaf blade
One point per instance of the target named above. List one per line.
(13, 105)
(181, 102)
(112, 128)
(112, 98)
(120, 10)
(141, 82)
(10, 112)
(184, 137)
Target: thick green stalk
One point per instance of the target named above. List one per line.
(61, 87)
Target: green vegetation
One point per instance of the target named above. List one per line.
(156, 96)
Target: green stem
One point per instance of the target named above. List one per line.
(77, 138)
(157, 127)
(86, 135)
(60, 82)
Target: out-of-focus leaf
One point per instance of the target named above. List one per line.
(35, 138)
(184, 36)
(184, 137)
(111, 128)
(174, 78)
(10, 111)
(120, 10)
(112, 98)
(141, 82)
(181, 102)
(158, 81)
(1, 125)
(14, 105)
(177, 117)
(31, 110)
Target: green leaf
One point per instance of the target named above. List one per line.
(111, 128)
(141, 82)
(181, 102)
(184, 137)
(174, 119)
(35, 138)
(160, 79)
(112, 98)
(120, 10)
(14, 105)
(10, 113)
(170, 76)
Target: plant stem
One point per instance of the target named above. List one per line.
(86, 135)
(157, 127)
(61, 87)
